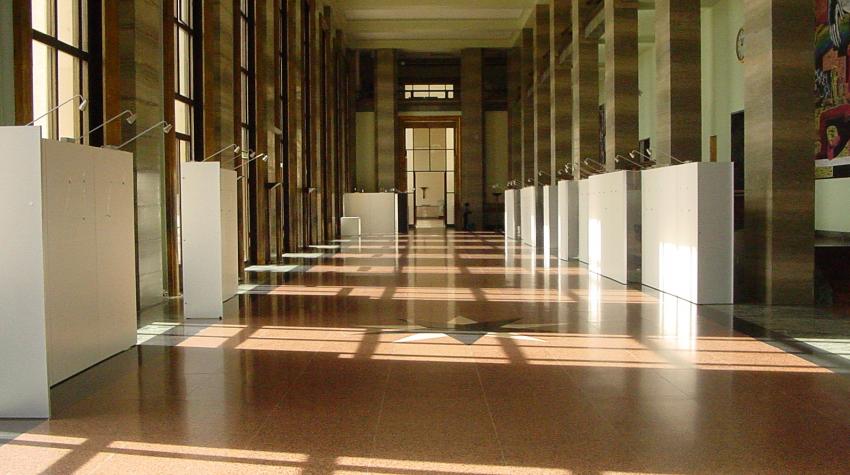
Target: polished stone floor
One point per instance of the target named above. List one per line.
(443, 352)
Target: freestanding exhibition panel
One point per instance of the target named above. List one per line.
(550, 219)
(531, 215)
(68, 282)
(378, 212)
(583, 197)
(688, 231)
(208, 229)
(512, 214)
(614, 230)
(568, 232)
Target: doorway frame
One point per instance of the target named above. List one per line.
(428, 121)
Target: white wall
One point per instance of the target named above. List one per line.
(365, 152)
(722, 75)
(831, 199)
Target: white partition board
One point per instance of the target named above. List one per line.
(688, 231)
(512, 214)
(531, 215)
(201, 231)
(229, 235)
(90, 255)
(583, 204)
(568, 232)
(378, 212)
(550, 219)
(24, 388)
(614, 225)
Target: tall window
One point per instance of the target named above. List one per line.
(429, 91)
(60, 65)
(246, 61)
(185, 93)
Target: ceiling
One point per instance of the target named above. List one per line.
(431, 25)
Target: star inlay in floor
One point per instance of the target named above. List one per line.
(462, 329)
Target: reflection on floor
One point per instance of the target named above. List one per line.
(421, 358)
(427, 223)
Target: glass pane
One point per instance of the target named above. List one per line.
(408, 159)
(67, 22)
(421, 138)
(438, 160)
(41, 85)
(182, 118)
(67, 87)
(450, 138)
(408, 138)
(450, 160)
(244, 49)
(184, 150)
(245, 98)
(421, 160)
(438, 138)
(184, 11)
(184, 62)
(40, 17)
(410, 182)
(450, 182)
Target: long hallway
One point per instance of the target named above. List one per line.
(442, 352)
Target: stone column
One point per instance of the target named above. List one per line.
(560, 85)
(515, 114)
(472, 138)
(621, 81)
(542, 97)
(385, 118)
(585, 82)
(678, 85)
(527, 99)
(779, 216)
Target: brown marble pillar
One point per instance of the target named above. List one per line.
(296, 180)
(585, 80)
(560, 26)
(472, 138)
(542, 97)
(621, 81)
(527, 99)
(678, 85)
(385, 118)
(779, 217)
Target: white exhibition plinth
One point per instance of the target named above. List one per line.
(583, 195)
(67, 264)
(349, 226)
(550, 219)
(208, 230)
(688, 231)
(531, 215)
(614, 225)
(378, 212)
(512, 214)
(568, 232)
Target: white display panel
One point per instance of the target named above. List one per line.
(349, 226)
(24, 389)
(568, 232)
(614, 225)
(229, 235)
(378, 212)
(531, 215)
(550, 219)
(512, 214)
(583, 198)
(688, 231)
(201, 232)
(90, 255)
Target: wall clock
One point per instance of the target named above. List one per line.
(739, 45)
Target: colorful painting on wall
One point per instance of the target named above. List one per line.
(832, 82)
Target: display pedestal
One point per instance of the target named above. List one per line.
(67, 264)
(614, 225)
(550, 219)
(531, 215)
(688, 231)
(209, 238)
(583, 198)
(568, 232)
(378, 212)
(513, 230)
